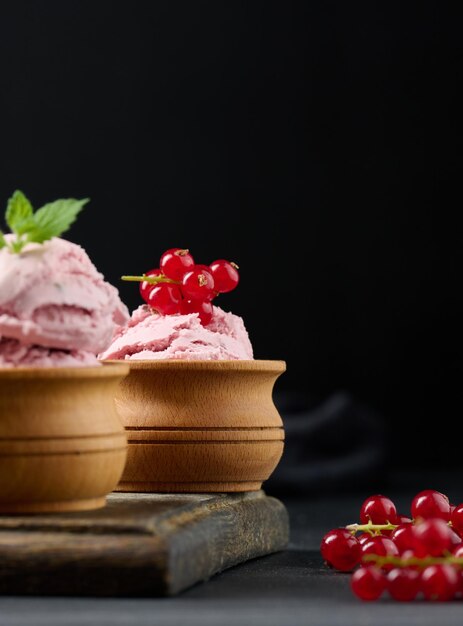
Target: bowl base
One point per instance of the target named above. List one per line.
(183, 487)
(53, 507)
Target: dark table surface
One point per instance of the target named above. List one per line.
(289, 588)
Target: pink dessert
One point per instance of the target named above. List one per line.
(55, 307)
(16, 354)
(152, 336)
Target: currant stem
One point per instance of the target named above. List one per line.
(152, 280)
(373, 529)
(413, 560)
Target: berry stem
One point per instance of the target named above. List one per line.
(373, 529)
(152, 280)
(412, 561)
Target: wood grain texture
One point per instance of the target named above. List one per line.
(139, 544)
(62, 444)
(200, 426)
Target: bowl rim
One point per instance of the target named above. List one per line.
(101, 370)
(251, 365)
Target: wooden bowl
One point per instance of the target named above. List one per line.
(200, 426)
(62, 444)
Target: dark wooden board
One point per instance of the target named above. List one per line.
(139, 544)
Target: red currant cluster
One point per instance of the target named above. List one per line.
(180, 286)
(407, 557)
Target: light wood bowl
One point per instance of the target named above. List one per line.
(200, 426)
(62, 444)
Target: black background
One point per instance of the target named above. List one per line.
(317, 144)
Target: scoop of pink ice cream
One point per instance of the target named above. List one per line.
(151, 336)
(15, 354)
(53, 297)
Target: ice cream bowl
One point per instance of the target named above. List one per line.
(62, 444)
(200, 426)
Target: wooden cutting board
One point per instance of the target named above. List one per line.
(139, 544)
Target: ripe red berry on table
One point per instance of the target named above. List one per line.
(340, 549)
(419, 558)
(368, 583)
(379, 510)
(432, 537)
(439, 582)
(430, 503)
(380, 546)
(403, 536)
(403, 584)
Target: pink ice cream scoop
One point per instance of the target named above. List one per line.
(13, 353)
(151, 336)
(55, 307)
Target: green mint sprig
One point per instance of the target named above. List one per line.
(51, 220)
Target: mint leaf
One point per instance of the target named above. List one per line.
(53, 219)
(18, 212)
(49, 221)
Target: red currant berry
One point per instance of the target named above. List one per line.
(458, 551)
(410, 554)
(145, 287)
(430, 503)
(455, 537)
(457, 518)
(440, 582)
(403, 584)
(198, 284)
(380, 546)
(432, 537)
(203, 309)
(363, 538)
(378, 509)
(165, 298)
(403, 519)
(175, 262)
(340, 549)
(225, 275)
(368, 583)
(404, 537)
